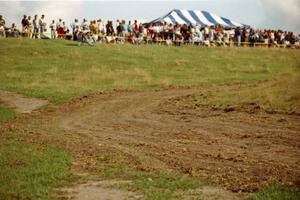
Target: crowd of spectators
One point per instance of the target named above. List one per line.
(141, 33)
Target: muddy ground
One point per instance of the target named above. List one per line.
(242, 150)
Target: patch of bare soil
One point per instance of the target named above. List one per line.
(100, 190)
(21, 103)
(166, 131)
(104, 190)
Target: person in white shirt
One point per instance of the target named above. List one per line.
(58, 24)
(226, 38)
(42, 24)
(2, 27)
(101, 26)
(272, 37)
(65, 28)
(116, 26)
(74, 27)
(198, 35)
(53, 29)
(29, 27)
(206, 32)
(36, 27)
(85, 25)
(220, 39)
(212, 34)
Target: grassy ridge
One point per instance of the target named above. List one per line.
(59, 69)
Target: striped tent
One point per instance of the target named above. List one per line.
(192, 17)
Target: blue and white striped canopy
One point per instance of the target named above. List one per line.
(191, 17)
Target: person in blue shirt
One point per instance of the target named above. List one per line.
(129, 27)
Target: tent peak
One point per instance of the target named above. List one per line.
(191, 17)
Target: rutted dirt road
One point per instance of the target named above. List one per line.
(166, 130)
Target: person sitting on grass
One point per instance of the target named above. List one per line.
(13, 31)
(68, 35)
(85, 36)
(169, 41)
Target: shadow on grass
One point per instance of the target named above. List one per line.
(72, 44)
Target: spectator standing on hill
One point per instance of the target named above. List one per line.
(94, 27)
(53, 29)
(135, 27)
(118, 22)
(23, 21)
(29, 27)
(109, 28)
(166, 30)
(25, 24)
(124, 32)
(129, 28)
(85, 24)
(120, 29)
(101, 27)
(42, 24)
(212, 35)
(35, 24)
(2, 26)
(73, 26)
(206, 32)
(59, 28)
(141, 29)
(238, 36)
(65, 28)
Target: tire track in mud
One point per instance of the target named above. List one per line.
(162, 130)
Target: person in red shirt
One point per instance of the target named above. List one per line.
(135, 28)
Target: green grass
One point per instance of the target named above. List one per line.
(30, 171)
(6, 113)
(277, 193)
(281, 95)
(153, 186)
(59, 69)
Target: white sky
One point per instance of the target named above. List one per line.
(284, 14)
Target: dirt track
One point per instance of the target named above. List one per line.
(166, 130)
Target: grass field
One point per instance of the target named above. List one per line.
(30, 171)
(59, 70)
(277, 193)
(6, 113)
(153, 186)
(280, 95)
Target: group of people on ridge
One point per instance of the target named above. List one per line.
(139, 33)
